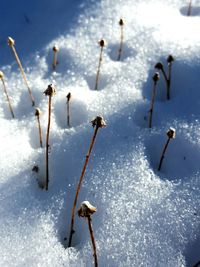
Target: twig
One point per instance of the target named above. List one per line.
(11, 43)
(55, 52)
(102, 44)
(86, 210)
(37, 114)
(121, 23)
(50, 91)
(68, 113)
(6, 93)
(171, 133)
(97, 123)
(155, 80)
(189, 8)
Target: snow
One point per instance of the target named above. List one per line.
(144, 217)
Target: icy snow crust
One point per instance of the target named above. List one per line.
(145, 217)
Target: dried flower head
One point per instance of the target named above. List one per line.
(35, 168)
(86, 209)
(102, 43)
(37, 112)
(68, 96)
(50, 91)
(55, 48)
(121, 22)
(171, 133)
(159, 66)
(11, 41)
(170, 59)
(156, 77)
(1, 75)
(98, 122)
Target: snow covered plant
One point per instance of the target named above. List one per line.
(167, 78)
(6, 93)
(86, 210)
(102, 43)
(50, 91)
(171, 133)
(37, 114)
(68, 111)
(155, 80)
(55, 52)
(97, 123)
(121, 24)
(11, 43)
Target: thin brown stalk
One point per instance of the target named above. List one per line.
(50, 91)
(171, 135)
(170, 59)
(11, 43)
(37, 114)
(97, 123)
(86, 210)
(121, 23)
(93, 240)
(68, 110)
(6, 93)
(155, 80)
(189, 8)
(102, 44)
(55, 52)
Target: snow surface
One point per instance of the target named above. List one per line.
(145, 217)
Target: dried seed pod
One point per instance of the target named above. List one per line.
(171, 133)
(68, 96)
(170, 59)
(121, 22)
(11, 41)
(86, 209)
(55, 48)
(102, 42)
(98, 122)
(37, 112)
(156, 77)
(159, 66)
(50, 91)
(1, 75)
(35, 168)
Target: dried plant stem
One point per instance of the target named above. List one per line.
(79, 185)
(155, 79)
(93, 240)
(196, 264)
(121, 23)
(54, 60)
(163, 154)
(7, 97)
(40, 131)
(98, 69)
(68, 110)
(23, 74)
(189, 8)
(47, 144)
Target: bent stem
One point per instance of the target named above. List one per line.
(163, 154)
(93, 240)
(6, 93)
(11, 44)
(121, 23)
(97, 123)
(155, 79)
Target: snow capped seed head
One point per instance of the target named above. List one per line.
(86, 209)
(55, 48)
(159, 66)
(156, 77)
(121, 22)
(50, 91)
(37, 112)
(170, 59)
(98, 122)
(68, 96)
(102, 42)
(11, 41)
(1, 75)
(171, 133)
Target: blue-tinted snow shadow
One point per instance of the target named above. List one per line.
(34, 24)
(127, 52)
